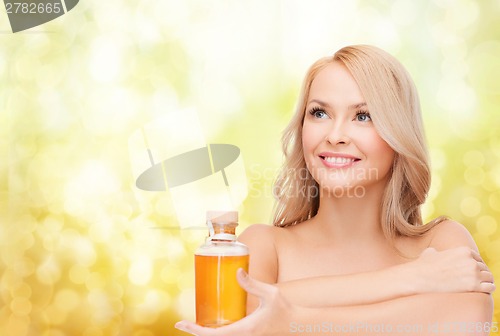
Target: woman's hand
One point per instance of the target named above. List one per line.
(272, 317)
(458, 269)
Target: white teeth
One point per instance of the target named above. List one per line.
(338, 160)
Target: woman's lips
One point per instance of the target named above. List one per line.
(338, 160)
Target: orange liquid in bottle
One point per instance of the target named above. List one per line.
(219, 298)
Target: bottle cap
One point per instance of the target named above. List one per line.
(222, 217)
(222, 224)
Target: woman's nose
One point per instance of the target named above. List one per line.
(338, 134)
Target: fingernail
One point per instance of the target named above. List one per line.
(243, 273)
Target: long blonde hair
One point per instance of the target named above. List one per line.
(393, 102)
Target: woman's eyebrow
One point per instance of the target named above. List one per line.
(356, 106)
(317, 101)
(350, 107)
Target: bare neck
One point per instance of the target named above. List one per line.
(351, 217)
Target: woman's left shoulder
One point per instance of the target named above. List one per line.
(449, 234)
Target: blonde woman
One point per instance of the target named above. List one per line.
(348, 252)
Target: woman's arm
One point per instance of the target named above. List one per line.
(430, 314)
(427, 314)
(454, 270)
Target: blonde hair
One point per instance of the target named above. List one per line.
(393, 102)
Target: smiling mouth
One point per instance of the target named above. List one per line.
(337, 160)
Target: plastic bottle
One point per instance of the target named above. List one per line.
(219, 298)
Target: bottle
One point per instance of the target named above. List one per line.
(219, 298)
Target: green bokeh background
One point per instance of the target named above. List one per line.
(80, 256)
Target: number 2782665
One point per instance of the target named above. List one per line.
(33, 8)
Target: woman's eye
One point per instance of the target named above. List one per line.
(363, 116)
(318, 113)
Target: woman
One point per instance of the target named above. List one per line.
(348, 250)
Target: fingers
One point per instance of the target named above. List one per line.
(487, 287)
(254, 287)
(486, 276)
(194, 329)
(482, 266)
(486, 279)
(476, 256)
(243, 327)
(487, 284)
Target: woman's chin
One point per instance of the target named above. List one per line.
(341, 190)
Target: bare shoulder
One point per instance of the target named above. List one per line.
(449, 234)
(260, 240)
(261, 235)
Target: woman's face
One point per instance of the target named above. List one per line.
(342, 149)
